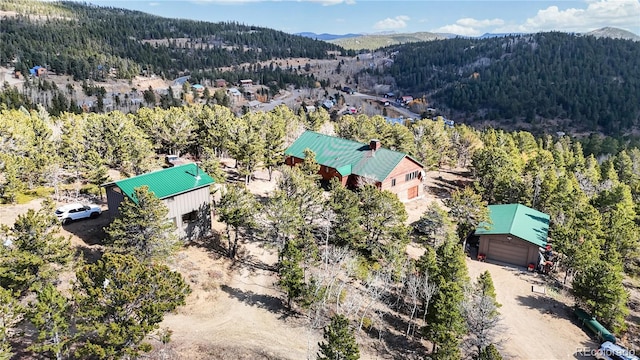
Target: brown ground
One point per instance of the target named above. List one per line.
(236, 311)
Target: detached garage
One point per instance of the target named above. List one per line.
(515, 235)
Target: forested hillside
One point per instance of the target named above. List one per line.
(592, 207)
(590, 82)
(87, 41)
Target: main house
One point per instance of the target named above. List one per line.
(515, 235)
(355, 163)
(184, 189)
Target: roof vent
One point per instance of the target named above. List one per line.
(197, 172)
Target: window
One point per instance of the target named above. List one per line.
(189, 217)
(412, 175)
(393, 182)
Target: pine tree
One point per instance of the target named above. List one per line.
(339, 341)
(120, 300)
(51, 316)
(34, 251)
(445, 321)
(141, 228)
(291, 274)
(11, 313)
(599, 288)
(346, 225)
(237, 208)
(489, 353)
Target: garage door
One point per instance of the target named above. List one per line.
(509, 252)
(412, 192)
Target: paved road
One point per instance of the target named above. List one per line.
(403, 111)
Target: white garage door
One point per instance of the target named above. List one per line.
(509, 252)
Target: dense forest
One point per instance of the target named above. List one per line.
(86, 41)
(591, 82)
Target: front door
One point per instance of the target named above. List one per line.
(412, 192)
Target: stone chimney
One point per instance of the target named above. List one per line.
(374, 145)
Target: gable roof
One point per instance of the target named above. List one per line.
(518, 220)
(347, 156)
(167, 182)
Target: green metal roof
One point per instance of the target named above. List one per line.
(518, 220)
(347, 156)
(167, 182)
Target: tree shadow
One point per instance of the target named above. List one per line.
(394, 341)
(547, 305)
(263, 301)
(90, 254)
(245, 260)
(90, 231)
(215, 245)
(586, 351)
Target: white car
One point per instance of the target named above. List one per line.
(611, 351)
(77, 211)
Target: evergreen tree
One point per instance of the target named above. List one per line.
(445, 321)
(468, 210)
(599, 288)
(291, 274)
(435, 225)
(11, 313)
(310, 166)
(339, 341)
(346, 227)
(33, 251)
(120, 301)
(237, 208)
(141, 228)
(489, 353)
(51, 316)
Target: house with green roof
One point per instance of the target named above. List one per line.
(355, 163)
(515, 235)
(184, 189)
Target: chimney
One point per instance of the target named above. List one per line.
(374, 145)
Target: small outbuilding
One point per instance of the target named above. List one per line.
(515, 236)
(184, 189)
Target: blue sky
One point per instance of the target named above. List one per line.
(470, 18)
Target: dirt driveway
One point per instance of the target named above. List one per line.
(536, 325)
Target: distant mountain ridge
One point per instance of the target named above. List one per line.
(353, 41)
(325, 36)
(376, 41)
(614, 33)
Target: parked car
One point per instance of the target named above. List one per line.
(611, 351)
(77, 211)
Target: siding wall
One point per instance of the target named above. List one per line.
(531, 249)
(114, 198)
(402, 187)
(196, 200)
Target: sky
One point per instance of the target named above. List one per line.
(467, 18)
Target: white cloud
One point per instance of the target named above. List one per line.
(398, 22)
(470, 22)
(458, 30)
(600, 13)
(154, 4)
(469, 26)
